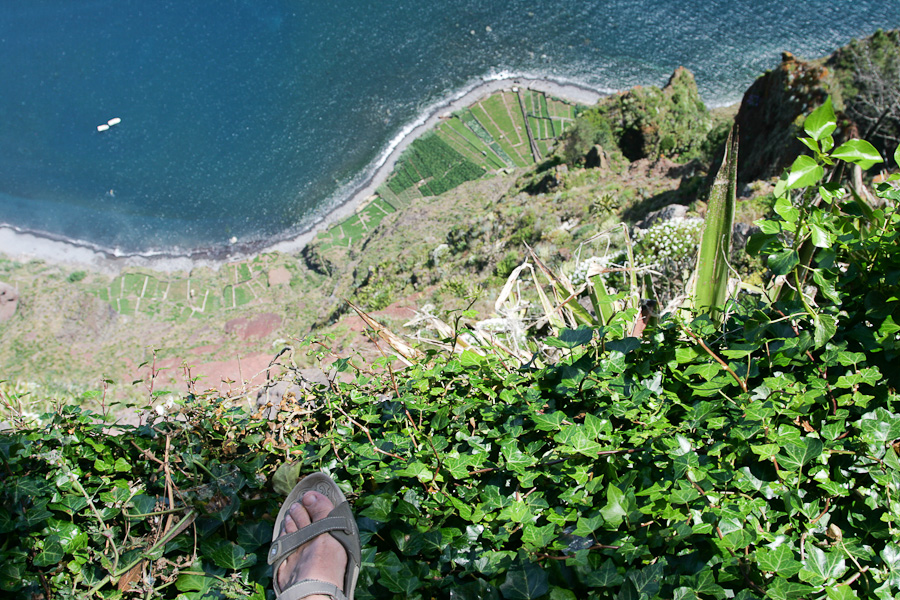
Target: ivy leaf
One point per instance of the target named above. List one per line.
(70, 537)
(826, 286)
(191, 581)
(549, 422)
(821, 122)
(604, 576)
(782, 263)
(572, 338)
(796, 454)
(820, 237)
(617, 507)
(804, 172)
(841, 592)
(858, 152)
(286, 478)
(648, 580)
(825, 328)
(227, 555)
(786, 210)
(538, 537)
(525, 580)
(821, 567)
(780, 561)
(782, 589)
(516, 460)
(51, 553)
(253, 535)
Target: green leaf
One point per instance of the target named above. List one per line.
(804, 172)
(826, 286)
(469, 358)
(780, 561)
(821, 567)
(572, 338)
(648, 580)
(782, 589)
(524, 581)
(516, 460)
(787, 210)
(604, 576)
(252, 535)
(549, 422)
(825, 328)
(766, 451)
(821, 122)
(820, 237)
(194, 581)
(51, 553)
(841, 592)
(286, 477)
(538, 537)
(858, 152)
(227, 555)
(782, 263)
(70, 537)
(617, 507)
(796, 454)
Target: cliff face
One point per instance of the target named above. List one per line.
(771, 116)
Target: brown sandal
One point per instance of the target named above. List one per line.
(339, 523)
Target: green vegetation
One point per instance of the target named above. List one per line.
(751, 456)
(648, 122)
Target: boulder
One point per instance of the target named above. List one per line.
(596, 158)
(9, 300)
(666, 213)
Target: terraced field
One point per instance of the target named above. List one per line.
(178, 297)
(508, 129)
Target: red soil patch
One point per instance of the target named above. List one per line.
(260, 326)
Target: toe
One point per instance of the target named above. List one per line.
(317, 505)
(300, 515)
(290, 525)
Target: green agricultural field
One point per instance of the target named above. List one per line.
(489, 135)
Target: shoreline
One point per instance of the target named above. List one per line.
(36, 245)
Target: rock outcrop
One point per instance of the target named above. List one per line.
(771, 116)
(649, 122)
(9, 300)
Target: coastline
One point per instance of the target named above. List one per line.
(23, 245)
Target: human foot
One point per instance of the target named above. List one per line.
(323, 558)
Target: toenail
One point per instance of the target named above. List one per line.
(309, 499)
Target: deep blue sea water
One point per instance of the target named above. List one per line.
(247, 118)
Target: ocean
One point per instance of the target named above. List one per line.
(250, 119)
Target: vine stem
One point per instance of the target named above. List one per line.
(725, 366)
(108, 534)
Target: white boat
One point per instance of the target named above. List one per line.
(114, 121)
(103, 127)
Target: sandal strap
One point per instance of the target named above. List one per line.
(339, 519)
(311, 587)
